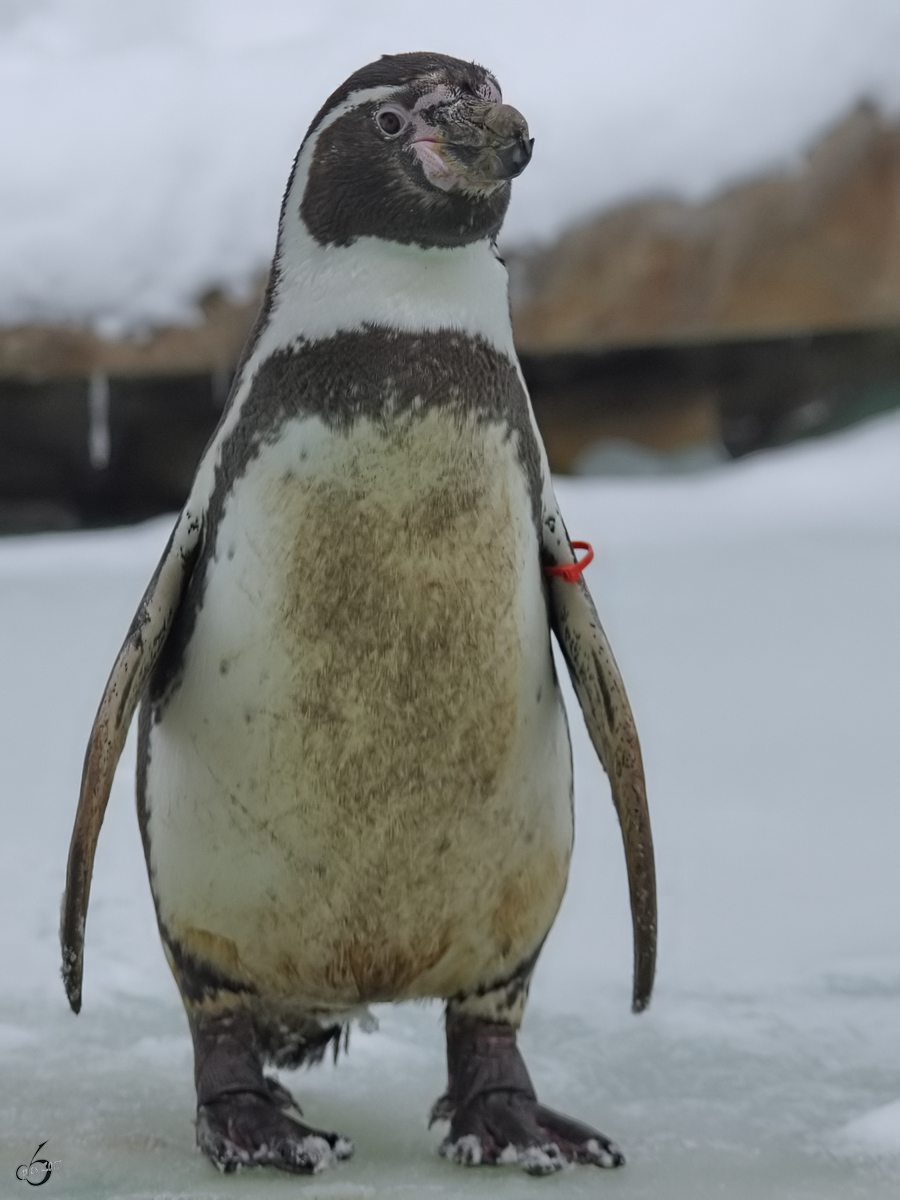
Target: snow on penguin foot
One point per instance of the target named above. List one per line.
(244, 1129)
(510, 1128)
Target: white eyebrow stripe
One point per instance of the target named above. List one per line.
(354, 100)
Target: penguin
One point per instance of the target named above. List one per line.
(354, 773)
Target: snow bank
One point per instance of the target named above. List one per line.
(151, 140)
(846, 482)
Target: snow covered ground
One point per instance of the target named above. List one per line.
(754, 612)
(146, 144)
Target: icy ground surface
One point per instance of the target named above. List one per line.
(754, 612)
(148, 141)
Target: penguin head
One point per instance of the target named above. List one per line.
(415, 148)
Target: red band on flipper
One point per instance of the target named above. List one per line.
(572, 572)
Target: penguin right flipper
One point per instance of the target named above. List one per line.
(610, 723)
(130, 672)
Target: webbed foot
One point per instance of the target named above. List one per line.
(248, 1129)
(245, 1118)
(494, 1114)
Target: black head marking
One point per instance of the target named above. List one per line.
(400, 70)
(434, 172)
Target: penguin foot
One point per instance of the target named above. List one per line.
(494, 1115)
(246, 1118)
(504, 1128)
(245, 1129)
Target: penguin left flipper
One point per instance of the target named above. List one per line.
(139, 652)
(607, 713)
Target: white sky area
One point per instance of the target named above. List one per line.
(753, 612)
(145, 145)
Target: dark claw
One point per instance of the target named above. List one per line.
(579, 1142)
(282, 1096)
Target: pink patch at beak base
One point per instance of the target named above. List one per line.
(437, 171)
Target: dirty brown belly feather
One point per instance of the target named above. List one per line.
(360, 790)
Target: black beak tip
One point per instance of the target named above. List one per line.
(516, 157)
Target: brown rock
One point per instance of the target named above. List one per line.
(40, 352)
(815, 249)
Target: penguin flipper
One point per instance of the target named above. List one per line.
(610, 723)
(139, 652)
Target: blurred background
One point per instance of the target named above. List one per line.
(704, 253)
(705, 271)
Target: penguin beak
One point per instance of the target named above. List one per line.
(482, 147)
(505, 147)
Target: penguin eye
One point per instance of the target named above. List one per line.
(391, 121)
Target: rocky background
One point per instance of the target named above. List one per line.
(814, 249)
(805, 251)
(658, 335)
